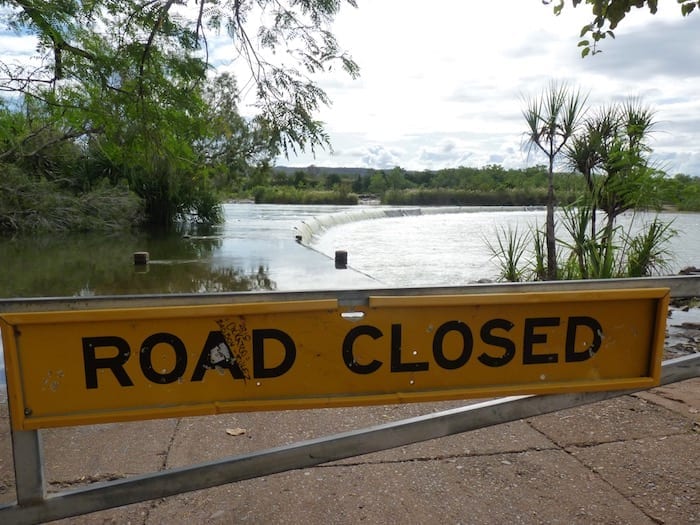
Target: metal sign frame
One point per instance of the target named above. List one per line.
(79, 367)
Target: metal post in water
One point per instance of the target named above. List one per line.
(341, 259)
(141, 258)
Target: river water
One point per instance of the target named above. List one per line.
(451, 249)
(255, 249)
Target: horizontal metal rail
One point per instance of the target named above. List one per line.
(679, 285)
(100, 496)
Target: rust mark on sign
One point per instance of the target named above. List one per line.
(236, 335)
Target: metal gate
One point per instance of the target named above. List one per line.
(34, 505)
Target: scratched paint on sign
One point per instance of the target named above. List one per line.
(236, 335)
(53, 380)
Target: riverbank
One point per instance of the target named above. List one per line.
(683, 328)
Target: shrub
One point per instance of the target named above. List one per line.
(288, 195)
(29, 205)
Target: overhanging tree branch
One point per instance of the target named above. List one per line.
(608, 14)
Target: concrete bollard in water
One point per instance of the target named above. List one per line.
(341, 259)
(140, 258)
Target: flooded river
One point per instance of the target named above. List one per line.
(255, 249)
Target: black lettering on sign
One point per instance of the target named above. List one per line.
(467, 344)
(489, 338)
(216, 354)
(349, 355)
(146, 358)
(290, 353)
(531, 338)
(116, 363)
(396, 364)
(572, 356)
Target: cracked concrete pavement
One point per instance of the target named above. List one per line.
(632, 459)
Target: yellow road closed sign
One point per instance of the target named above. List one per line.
(97, 366)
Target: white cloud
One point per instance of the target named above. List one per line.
(372, 156)
(442, 83)
(455, 74)
(17, 48)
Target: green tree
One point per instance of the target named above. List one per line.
(681, 191)
(128, 79)
(300, 179)
(607, 14)
(332, 180)
(612, 153)
(229, 144)
(396, 179)
(552, 119)
(378, 183)
(109, 41)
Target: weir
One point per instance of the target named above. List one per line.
(307, 229)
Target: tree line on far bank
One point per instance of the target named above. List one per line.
(65, 188)
(491, 185)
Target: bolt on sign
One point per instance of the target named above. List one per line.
(94, 366)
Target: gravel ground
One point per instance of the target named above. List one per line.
(683, 330)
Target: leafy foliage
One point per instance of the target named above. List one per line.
(625, 252)
(142, 49)
(31, 205)
(681, 191)
(124, 87)
(509, 249)
(610, 150)
(612, 153)
(647, 252)
(607, 14)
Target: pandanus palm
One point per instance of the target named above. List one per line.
(612, 154)
(552, 119)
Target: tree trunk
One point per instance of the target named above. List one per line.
(551, 241)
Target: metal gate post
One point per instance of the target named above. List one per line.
(28, 457)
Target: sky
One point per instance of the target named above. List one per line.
(443, 84)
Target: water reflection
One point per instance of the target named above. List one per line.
(254, 249)
(82, 265)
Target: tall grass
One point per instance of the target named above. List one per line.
(589, 256)
(509, 249)
(604, 255)
(29, 205)
(285, 195)
(647, 252)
